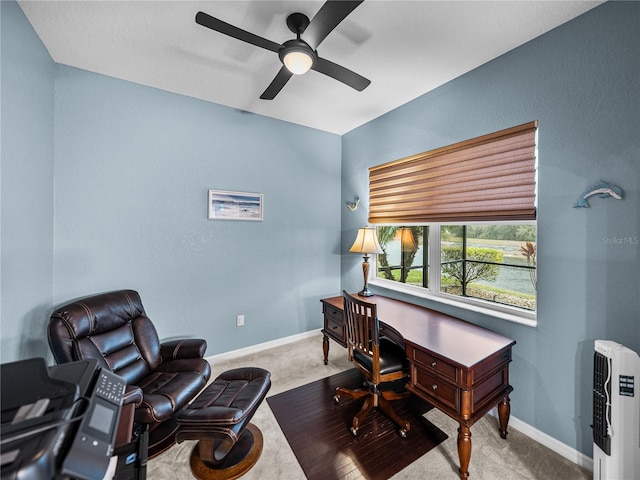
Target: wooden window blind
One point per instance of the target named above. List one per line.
(492, 177)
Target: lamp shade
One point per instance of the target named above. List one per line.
(405, 235)
(366, 241)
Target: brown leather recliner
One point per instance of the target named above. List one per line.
(162, 378)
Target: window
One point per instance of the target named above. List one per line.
(457, 224)
(406, 257)
(484, 265)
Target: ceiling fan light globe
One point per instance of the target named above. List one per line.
(298, 62)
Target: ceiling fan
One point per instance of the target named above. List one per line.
(298, 55)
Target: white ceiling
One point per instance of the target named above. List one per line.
(406, 48)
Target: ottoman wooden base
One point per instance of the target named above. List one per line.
(228, 445)
(240, 460)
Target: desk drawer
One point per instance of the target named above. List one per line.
(437, 365)
(334, 329)
(436, 388)
(494, 363)
(333, 314)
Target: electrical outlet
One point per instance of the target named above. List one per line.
(240, 320)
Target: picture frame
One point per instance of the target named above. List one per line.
(228, 205)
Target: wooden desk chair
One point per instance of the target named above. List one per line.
(379, 359)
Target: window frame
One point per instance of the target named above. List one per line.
(433, 293)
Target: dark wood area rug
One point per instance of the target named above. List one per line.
(318, 431)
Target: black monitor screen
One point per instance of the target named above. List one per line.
(101, 418)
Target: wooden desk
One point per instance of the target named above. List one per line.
(460, 368)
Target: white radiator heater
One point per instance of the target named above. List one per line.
(616, 412)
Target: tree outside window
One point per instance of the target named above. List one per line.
(489, 262)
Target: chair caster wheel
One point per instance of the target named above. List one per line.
(336, 398)
(354, 431)
(403, 432)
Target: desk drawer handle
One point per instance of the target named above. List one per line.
(433, 364)
(434, 387)
(334, 327)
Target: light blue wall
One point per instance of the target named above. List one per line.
(133, 166)
(26, 270)
(581, 81)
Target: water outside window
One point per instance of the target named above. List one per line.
(499, 264)
(491, 262)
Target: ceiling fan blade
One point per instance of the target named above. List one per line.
(341, 74)
(276, 84)
(223, 27)
(327, 18)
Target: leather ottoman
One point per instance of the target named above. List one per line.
(219, 418)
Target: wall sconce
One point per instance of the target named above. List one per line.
(352, 206)
(366, 243)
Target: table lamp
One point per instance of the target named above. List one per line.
(366, 243)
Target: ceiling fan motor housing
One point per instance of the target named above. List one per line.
(291, 46)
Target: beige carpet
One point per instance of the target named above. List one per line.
(300, 363)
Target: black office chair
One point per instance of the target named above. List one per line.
(379, 359)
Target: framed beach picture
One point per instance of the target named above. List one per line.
(225, 205)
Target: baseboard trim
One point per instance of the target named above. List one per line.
(548, 441)
(557, 446)
(263, 346)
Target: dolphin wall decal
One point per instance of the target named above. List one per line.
(602, 189)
